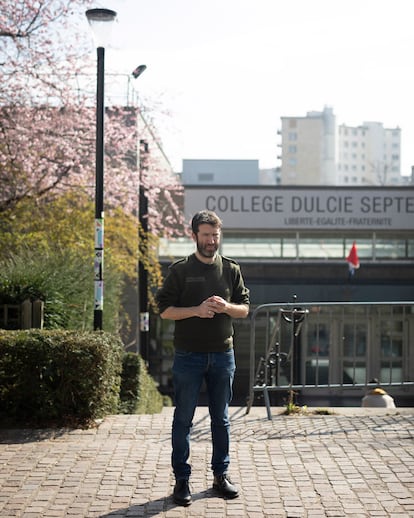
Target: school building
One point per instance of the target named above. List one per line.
(292, 244)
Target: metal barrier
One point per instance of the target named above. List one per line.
(330, 346)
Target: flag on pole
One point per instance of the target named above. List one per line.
(353, 261)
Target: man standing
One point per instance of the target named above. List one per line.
(202, 293)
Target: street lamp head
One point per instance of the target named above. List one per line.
(100, 21)
(138, 71)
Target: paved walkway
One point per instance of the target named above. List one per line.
(356, 463)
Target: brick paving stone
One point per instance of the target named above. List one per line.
(350, 464)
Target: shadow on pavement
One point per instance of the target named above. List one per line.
(154, 507)
(28, 435)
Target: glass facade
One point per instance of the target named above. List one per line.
(307, 246)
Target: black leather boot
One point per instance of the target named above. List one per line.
(223, 485)
(182, 494)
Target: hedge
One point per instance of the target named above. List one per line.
(58, 377)
(139, 393)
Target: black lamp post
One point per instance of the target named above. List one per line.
(143, 328)
(142, 272)
(100, 21)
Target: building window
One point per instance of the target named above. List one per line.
(205, 177)
(292, 149)
(317, 247)
(301, 246)
(288, 247)
(292, 135)
(390, 248)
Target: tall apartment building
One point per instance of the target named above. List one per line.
(315, 151)
(368, 155)
(308, 149)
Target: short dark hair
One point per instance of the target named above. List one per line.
(205, 217)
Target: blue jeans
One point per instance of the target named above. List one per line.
(189, 371)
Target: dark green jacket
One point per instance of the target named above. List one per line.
(188, 283)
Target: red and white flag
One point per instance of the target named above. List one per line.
(352, 259)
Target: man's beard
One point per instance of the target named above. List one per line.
(207, 250)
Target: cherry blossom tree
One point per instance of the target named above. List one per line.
(45, 151)
(40, 48)
(47, 125)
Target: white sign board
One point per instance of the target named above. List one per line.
(279, 208)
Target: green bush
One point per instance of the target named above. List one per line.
(139, 393)
(58, 377)
(64, 281)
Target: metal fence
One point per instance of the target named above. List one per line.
(329, 347)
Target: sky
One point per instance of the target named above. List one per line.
(222, 73)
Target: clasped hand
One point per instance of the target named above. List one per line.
(211, 306)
